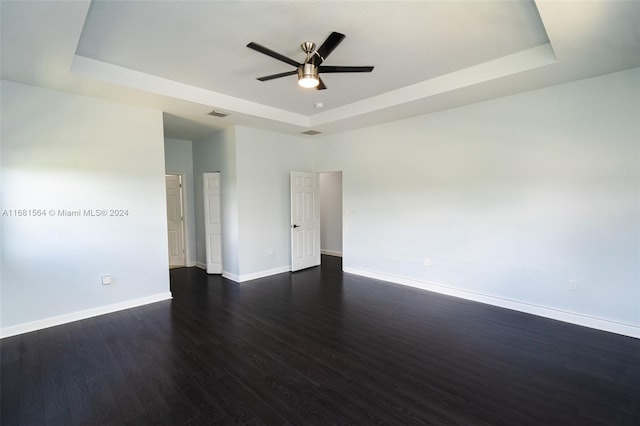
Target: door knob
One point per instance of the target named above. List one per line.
(296, 226)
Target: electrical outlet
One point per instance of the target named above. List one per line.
(572, 285)
(106, 280)
(427, 261)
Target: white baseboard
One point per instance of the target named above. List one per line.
(201, 265)
(331, 252)
(556, 314)
(187, 264)
(262, 274)
(80, 315)
(230, 276)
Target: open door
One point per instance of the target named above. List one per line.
(305, 220)
(212, 223)
(175, 220)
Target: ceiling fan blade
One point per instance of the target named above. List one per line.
(272, 76)
(273, 54)
(327, 47)
(331, 68)
(320, 85)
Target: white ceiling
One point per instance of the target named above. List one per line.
(188, 58)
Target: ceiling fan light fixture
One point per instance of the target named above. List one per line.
(308, 76)
(309, 71)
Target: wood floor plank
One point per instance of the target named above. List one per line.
(31, 388)
(123, 400)
(10, 380)
(56, 403)
(73, 361)
(318, 347)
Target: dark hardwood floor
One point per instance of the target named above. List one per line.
(317, 347)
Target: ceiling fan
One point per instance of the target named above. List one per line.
(309, 71)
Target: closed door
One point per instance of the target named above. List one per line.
(175, 220)
(305, 220)
(212, 222)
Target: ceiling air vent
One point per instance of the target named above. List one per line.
(218, 114)
(311, 132)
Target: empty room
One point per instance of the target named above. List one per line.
(320, 212)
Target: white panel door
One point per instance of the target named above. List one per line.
(212, 223)
(305, 220)
(175, 220)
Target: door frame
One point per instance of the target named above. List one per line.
(342, 213)
(183, 206)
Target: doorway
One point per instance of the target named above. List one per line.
(175, 220)
(331, 213)
(316, 217)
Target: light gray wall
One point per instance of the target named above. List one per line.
(178, 159)
(217, 153)
(509, 198)
(264, 162)
(331, 212)
(62, 151)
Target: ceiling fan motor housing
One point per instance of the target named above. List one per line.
(308, 72)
